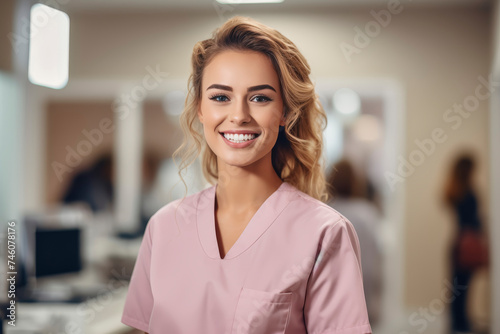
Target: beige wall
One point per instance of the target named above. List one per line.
(436, 54)
(66, 122)
(494, 166)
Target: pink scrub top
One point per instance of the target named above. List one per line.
(296, 268)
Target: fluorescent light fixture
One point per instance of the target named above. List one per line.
(239, 2)
(49, 47)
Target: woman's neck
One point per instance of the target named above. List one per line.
(240, 189)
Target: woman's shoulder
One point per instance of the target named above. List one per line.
(184, 206)
(315, 212)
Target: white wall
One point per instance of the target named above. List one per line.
(11, 119)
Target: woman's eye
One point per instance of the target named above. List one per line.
(261, 98)
(219, 98)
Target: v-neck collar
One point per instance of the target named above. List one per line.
(261, 220)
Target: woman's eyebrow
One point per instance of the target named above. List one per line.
(250, 89)
(259, 87)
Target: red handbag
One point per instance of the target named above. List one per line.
(473, 250)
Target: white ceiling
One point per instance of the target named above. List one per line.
(196, 5)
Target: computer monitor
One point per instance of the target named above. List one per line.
(47, 248)
(57, 251)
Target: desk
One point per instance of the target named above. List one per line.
(99, 315)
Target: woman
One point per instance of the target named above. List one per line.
(460, 196)
(258, 251)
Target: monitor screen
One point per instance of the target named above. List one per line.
(57, 251)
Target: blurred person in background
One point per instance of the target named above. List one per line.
(348, 197)
(166, 185)
(93, 186)
(460, 196)
(149, 202)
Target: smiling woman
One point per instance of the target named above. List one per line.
(258, 251)
(242, 114)
(297, 155)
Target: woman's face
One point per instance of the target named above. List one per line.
(241, 107)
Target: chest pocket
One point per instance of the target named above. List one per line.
(262, 312)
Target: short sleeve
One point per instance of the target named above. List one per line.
(335, 301)
(139, 300)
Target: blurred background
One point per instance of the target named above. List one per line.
(411, 89)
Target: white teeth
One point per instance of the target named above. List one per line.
(239, 138)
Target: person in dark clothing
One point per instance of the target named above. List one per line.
(93, 186)
(460, 197)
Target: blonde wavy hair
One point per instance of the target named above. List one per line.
(297, 155)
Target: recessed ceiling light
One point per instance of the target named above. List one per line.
(239, 2)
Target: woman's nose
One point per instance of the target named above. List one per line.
(240, 113)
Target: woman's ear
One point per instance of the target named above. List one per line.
(283, 121)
